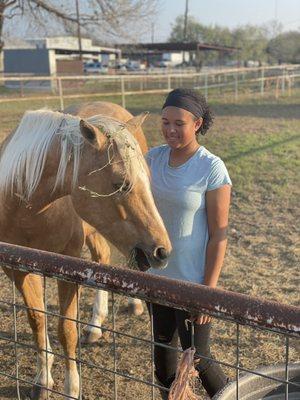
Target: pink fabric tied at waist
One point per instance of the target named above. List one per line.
(181, 387)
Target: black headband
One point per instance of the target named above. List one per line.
(186, 99)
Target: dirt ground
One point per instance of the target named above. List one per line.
(259, 141)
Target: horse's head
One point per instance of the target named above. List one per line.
(113, 191)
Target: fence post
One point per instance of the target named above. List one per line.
(123, 92)
(205, 87)
(60, 91)
(277, 88)
(169, 82)
(236, 86)
(141, 84)
(262, 82)
(283, 81)
(289, 86)
(21, 88)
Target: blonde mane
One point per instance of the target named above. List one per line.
(23, 159)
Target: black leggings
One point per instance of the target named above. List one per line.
(168, 324)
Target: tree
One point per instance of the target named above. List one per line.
(285, 48)
(194, 32)
(251, 39)
(197, 32)
(101, 19)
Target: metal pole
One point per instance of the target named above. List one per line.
(152, 351)
(262, 82)
(237, 371)
(60, 91)
(205, 87)
(236, 86)
(114, 346)
(277, 88)
(123, 92)
(16, 335)
(21, 89)
(78, 29)
(286, 367)
(289, 86)
(169, 82)
(283, 81)
(185, 26)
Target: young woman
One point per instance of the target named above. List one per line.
(191, 188)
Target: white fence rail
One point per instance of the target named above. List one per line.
(275, 79)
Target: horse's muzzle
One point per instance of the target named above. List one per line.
(156, 259)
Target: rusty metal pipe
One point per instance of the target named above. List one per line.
(191, 297)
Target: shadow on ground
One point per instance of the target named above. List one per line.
(261, 149)
(266, 110)
(10, 392)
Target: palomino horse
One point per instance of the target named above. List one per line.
(55, 170)
(99, 249)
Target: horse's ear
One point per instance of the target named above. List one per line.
(135, 122)
(88, 131)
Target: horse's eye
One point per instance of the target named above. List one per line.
(122, 187)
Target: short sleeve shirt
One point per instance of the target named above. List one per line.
(179, 194)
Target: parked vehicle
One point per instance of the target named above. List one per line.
(94, 67)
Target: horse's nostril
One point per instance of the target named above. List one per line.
(160, 253)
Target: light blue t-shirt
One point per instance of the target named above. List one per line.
(179, 194)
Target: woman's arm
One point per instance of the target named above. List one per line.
(217, 207)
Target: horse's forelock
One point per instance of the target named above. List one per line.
(128, 147)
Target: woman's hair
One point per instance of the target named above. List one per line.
(193, 102)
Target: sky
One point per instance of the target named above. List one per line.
(229, 13)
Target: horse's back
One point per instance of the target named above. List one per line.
(86, 110)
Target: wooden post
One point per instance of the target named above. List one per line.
(236, 86)
(289, 86)
(123, 92)
(21, 88)
(277, 88)
(262, 82)
(169, 82)
(60, 91)
(283, 81)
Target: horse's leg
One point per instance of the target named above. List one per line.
(67, 333)
(100, 252)
(31, 288)
(100, 310)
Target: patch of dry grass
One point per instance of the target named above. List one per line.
(259, 141)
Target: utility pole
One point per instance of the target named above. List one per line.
(185, 26)
(78, 29)
(152, 32)
(185, 20)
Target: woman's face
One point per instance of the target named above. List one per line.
(179, 127)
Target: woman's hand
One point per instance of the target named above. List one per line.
(200, 319)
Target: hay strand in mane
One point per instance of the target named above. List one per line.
(185, 374)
